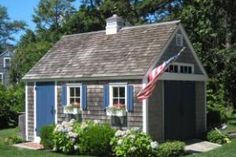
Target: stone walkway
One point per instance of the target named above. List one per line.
(29, 145)
(198, 146)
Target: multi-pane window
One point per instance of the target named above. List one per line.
(118, 95)
(186, 69)
(7, 62)
(180, 68)
(74, 95)
(172, 69)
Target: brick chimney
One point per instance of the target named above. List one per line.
(114, 24)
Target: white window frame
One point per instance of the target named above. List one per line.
(183, 64)
(73, 85)
(111, 85)
(4, 61)
(1, 77)
(179, 37)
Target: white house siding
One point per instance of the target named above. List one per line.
(30, 118)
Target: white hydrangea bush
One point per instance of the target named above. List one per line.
(65, 138)
(133, 143)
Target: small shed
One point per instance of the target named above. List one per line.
(101, 69)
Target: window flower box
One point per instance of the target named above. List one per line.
(116, 110)
(72, 109)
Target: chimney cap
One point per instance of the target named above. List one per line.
(114, 17)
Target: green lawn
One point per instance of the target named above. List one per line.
(9, 151)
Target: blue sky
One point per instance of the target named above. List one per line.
(23, 10)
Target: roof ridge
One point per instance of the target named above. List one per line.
(153, 24)
(127, 27)
(93, 32)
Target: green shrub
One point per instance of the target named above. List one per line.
(11, 102)
(133, 143)
(13, 140)
(46, 135)
(216, 110)
(216, 136)
(171, 149)
(65, 139)
(94, 138)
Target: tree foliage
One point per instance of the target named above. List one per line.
(8, 27)
(52, 14)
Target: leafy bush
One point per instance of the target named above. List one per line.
(11, 102)
(216, 136)
(171, 149)
(46, 135)
(132, 143)
(217, 112)
(94, 138)
(65, 139)
(13, 140)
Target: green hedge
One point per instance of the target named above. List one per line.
(171, 149)
(46, 135)
(95, 139)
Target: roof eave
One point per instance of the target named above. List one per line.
(43, 79)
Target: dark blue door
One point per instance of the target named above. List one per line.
(179, 110)
(45, 94)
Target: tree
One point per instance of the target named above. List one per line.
(8, 27)
(52, 14)
(29, 50)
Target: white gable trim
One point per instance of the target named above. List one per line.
(182, 77)
(180, 27)
(192, 50)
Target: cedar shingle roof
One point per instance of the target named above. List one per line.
(127, 53)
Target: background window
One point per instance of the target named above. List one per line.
(74, 95)
(1, 77)
(7, 62)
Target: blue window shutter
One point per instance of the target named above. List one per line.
(84, 97)
(64, 95)
(130, 98)
(106, 96)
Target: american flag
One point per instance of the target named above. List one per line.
(146, 92)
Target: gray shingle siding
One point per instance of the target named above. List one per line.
(30, 117)
(156, 113)
(200, 108)
(95, 109)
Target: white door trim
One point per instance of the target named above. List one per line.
(36, 138)
(26, 112)
(56, 105)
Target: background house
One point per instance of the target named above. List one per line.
(99, 69)
(5, 63)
